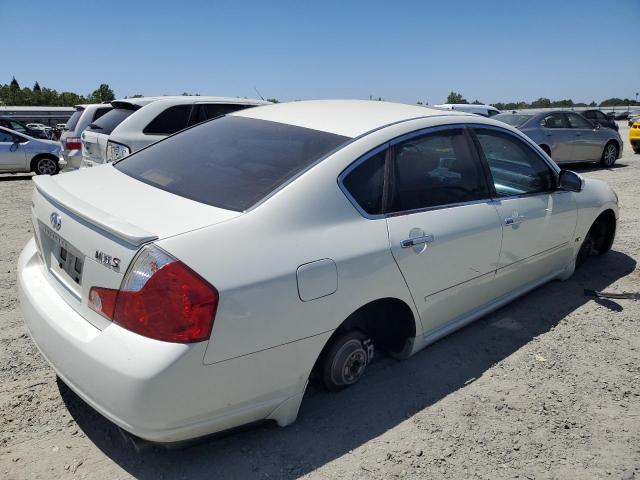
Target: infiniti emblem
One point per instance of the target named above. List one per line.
(56, 221)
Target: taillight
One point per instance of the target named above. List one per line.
(73, 143)
(160, 298)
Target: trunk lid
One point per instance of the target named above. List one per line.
(89, 225)
(94, 147)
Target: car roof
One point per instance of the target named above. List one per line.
(349, 118)
(179, 99)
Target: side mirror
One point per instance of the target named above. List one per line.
(570, 181)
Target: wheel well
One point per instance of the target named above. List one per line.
(388, 321)
(603, 231)
(546, 149)
(32, 166)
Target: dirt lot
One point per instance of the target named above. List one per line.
(548, 387)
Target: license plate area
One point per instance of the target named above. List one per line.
(65, 262)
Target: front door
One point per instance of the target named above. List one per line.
(12, 154)
(444, 230)
(538, 220)
(586, 142)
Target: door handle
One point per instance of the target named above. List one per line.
(516, 220)
(412, 242)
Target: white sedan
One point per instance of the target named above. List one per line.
(199, 283)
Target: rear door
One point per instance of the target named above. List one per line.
(12, 154)
(586, 144)
(538, 220)
(559, 137)
(444, 230)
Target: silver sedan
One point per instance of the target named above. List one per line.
(22, 153)
(567, 137)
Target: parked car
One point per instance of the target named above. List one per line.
(634, 136)
(567, 137)
(484, 110)
(290, 239)
(600, 117)
(20, 127)
(71, 155)
(625, 114)
(165, 117)
(94, 137)
(633, 117)
(23, 153)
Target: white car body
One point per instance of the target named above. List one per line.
(71, 155)
(137, 131)
(484, 110)
(290, 269)
(94, 141)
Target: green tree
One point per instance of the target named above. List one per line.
(455, 97)
(14, 83)
(541, 103)
(273, 100)
(102, 94)
(36, 87)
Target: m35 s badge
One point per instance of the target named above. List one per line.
(107, 260)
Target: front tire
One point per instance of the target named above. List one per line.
(46, 166)
(346, 360)
(609, 155)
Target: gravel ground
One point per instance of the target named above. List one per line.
(547, 387)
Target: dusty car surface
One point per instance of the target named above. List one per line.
(292, 241)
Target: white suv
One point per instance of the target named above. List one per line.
(167, 116)
(71, 154)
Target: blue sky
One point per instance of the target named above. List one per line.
(492, 50)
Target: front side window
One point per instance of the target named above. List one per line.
(516, 169)
(365, 183)
(18, 127)
(5, 137)
(433, 170)
(555, 120)
(230, 162)
(172, 120)
(577, 121)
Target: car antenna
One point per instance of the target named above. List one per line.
(261, 97)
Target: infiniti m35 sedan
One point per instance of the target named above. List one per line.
(199, 283)
(568, 137)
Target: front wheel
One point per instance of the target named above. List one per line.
(609, 155)
(46, 166)
(346, 360)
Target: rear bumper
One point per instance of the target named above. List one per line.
(155, 390)
(71, 159)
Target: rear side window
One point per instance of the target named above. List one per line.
(365, 183)
(230, 162)
(516, 169)
(73, 120)
(577, 121)
(172, 120)
(434, 170)
(555, 120)
(110, 120)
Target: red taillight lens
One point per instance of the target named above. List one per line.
(160, 298)
(73, 143)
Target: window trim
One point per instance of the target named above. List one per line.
(407, 136)
(554, 168)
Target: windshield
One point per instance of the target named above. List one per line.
(73, 120)
(230, 162)
(513, 119)
(110, 120)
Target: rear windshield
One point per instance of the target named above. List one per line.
(110, 120)
(515, 120)
(73, 120)
(229, 162)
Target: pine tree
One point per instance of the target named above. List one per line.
(36, 87)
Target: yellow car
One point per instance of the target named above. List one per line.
(634, 136)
